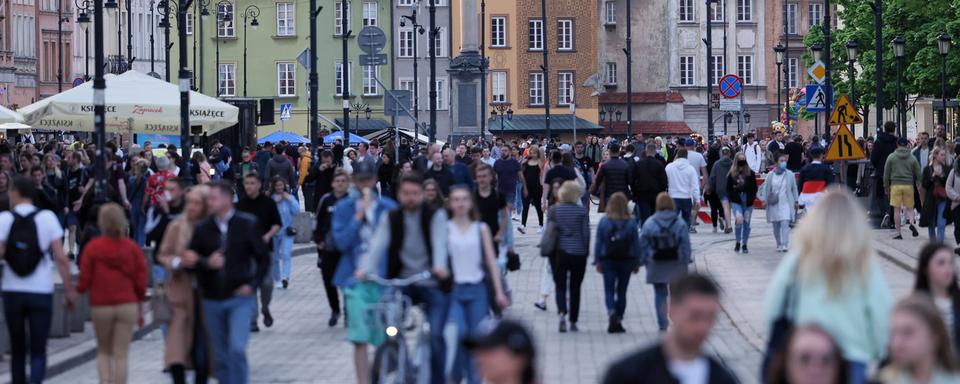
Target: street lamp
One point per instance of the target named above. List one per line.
(357, 109)
(417, 30)
(165, 24)
(778, 51)
(816, 49)
(83, 19)
(943, 45)
(899, 43)
(851, 59)
(727, 119)
(503, 110)
(252, 12)
(222, 17)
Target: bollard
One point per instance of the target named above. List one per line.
(80, 314)
(60, 323)
(304, 225)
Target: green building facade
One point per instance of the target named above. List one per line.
(281, 34)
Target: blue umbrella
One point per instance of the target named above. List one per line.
(289, 137)
(339, 135)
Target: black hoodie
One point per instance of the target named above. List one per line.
(885, 145)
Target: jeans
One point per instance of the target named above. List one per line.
(518, 198)
(576, 266)
(660, 293)
(616, 276)
(683, 208)
(644, 208)
(473, 303)
(138, 223)
(282, 247)
(742, 230)
(28, 313)
(781, 232)
(438, 307)
(858, 372)
(938, 226)
(228, 326)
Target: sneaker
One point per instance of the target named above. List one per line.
(286, 283)
(714, 229)
(540, 305)
(277, 285)
(728, 230)
(736, 248)
(540, 230)
(913, 230)
(898, 237)
(254, 328)
(693, 230)
(573, 327)
(744, 249)
(334, 317)
(723, 224)
(522, 229)
(267, 318)
(563, 324)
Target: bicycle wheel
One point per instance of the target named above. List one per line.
(387, 365)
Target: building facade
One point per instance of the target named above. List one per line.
(34, 51)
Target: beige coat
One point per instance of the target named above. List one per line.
(953, 189)
(179, 292)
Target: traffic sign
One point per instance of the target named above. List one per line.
(818, 72)
(374, 59)
(285, 111)
(844, 146)
(845, 113)
(730, 86)
(730, 105)
(372, 39)
(77, 81)
(817, 96)
(714, 100)
(397, 102)
(304, 59)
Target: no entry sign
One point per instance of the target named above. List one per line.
(730, 86)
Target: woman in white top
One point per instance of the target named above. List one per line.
(937, 277)
(475, 272)
(780, 194)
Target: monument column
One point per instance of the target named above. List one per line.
(466, 72)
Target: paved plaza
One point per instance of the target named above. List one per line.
(300, 348)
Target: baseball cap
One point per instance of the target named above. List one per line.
(501, 333)
(364, 170)
(565, 148)
(689, 143)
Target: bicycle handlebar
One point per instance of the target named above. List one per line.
(400, 283)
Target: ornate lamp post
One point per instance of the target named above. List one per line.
(943, 46)
(851, 59)
(83, 19)
(899, 43)
(417, 30)
(503, 110)
(251, 12)
(778, 51)
(358, 108)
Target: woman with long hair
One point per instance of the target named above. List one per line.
(831, 278)
(432, 195)
(811, 356)
(920, 350)
(136, 192)
(474, 266)
(666, 252)
(780, 190)
(937, 277)
(185, 343)
(283, 241)
(742, 191)
(385, 173)
(617, 255)
(573, 247)
(532, 170)
(934, 182)
(201, 170)
(114, 270)
(4, 188)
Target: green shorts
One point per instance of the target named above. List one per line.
(361, 301)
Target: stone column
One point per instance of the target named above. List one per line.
(466, 72)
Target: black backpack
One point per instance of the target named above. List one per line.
(23, 252)
(665, 245)
(620, 241)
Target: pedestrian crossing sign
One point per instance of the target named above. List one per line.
(844, 146)
(285, 111)
(845, 112)
(817, 96)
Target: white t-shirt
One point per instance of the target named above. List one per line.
(695, 371)
(48, 230)
(945, 307)
(696, 160)
(465, 253)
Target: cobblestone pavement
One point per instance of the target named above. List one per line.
(300, 348)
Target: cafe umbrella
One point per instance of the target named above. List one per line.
(135, 103)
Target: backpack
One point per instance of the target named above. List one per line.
(23, 252)
(665, 245)
(620, 241)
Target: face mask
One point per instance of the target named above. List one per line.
(783, 165)
(741, 162)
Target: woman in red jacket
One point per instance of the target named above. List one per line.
(115, 293)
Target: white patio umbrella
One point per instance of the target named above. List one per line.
(135, 103)
(9, 116)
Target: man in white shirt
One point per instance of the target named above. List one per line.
(683, 184)
(754, 154)
(28, 300)
(699, 163)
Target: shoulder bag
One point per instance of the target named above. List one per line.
(548, 242)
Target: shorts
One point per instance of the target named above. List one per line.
(901, 196)
(72, 218)
(362, 325)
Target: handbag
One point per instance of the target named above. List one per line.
(513, 261)
(782, 325)
(940, 192)
(548, 242)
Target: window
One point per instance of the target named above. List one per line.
(405, 3)
(565, 35)
(338, 15)
(498, 80)
(717, 10)
(498, 31)
(565, 88)
(227, 84)
(338, 77)
(286, 79)
(816, 14)
(370, 75)
(369, 14)
(610, 73)
(188, 25)
(686, 10)
(285, 20)
(793, 68)
(405, 42)
(609, 12)
(744, 10)
(225, 27)
(536, 34)
(441, 87)
(718, 67)
(791, 19)
(745, 68)
(407, 85)
(686, 70)
(440, 42)
(536, 88)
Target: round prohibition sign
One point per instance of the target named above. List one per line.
(730, 86)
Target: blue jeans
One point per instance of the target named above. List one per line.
(438, 307)
(282, 247)
(938, 226)
(644, 209)
(616, 276)
(742, 230)
(138, 223)
(473, 303)
(660, 292)
(683, 208)
(518, 198)
(858, 372)
(28, 313)
(228, 326)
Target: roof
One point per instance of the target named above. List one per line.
(641, 97)
(365, 124)
(648, 128)
(527, 123)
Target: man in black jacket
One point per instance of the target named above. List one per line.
(231, 260)
(649, 179)
(615, 175)
(882, 148)
(268, 223)
(694, 305)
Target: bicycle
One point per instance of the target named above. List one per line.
(392, 362)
